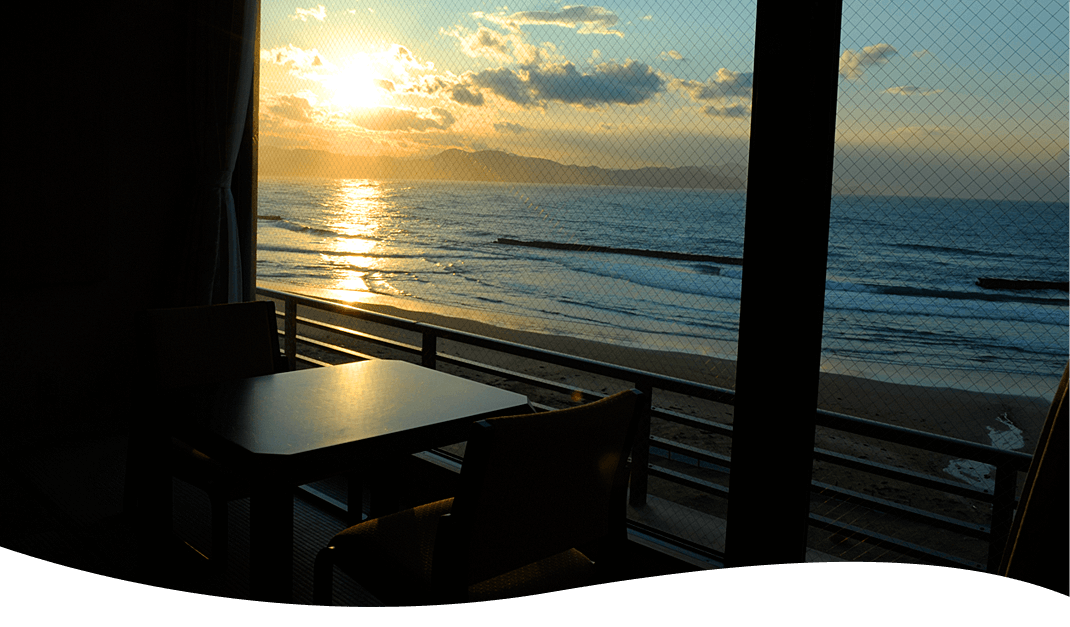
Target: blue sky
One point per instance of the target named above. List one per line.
(630, 84)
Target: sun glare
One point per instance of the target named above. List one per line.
(354, 85)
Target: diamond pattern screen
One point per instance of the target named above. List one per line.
(574, 177)
(948, 257)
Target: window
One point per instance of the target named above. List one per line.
(576, 177)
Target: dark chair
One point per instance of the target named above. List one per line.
(538, 495)
(202, 345)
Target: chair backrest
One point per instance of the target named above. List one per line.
(534, 485)
(196, 345)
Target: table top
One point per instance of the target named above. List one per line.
(376, 405)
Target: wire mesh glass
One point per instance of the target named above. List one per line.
(574, 178)
(951, 176)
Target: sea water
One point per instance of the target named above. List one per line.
(900, 290)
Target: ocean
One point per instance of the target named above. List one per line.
(901, 292)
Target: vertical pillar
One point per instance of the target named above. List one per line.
(429, 350)
(638, 487)
(290, 332)
(789, 190)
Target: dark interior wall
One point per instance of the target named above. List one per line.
(94, 211)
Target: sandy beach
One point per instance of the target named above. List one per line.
(965, 414)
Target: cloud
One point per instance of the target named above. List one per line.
(509, 127)
(292, 107)
(387, 119)
(512, 45)
(484, 42)
(401, 60)
(729, 93)
(427, 84)
(531, 55)
(397, 70)
(671, 55)
(319, 13)
(726, 84)
(911, 90)
(586, 20)
(462, 95)
(294, 57)
(504, 83)
(610, 83)
(737, 110)
(853, 63)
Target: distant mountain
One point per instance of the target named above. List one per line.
(487, 165)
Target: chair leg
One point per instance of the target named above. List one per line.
(354, 498)
(220, 532)
(323, 577)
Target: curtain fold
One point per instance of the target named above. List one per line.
(221, 60)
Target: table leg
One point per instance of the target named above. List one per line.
(148, 502)
(385, 485)
(354, 498)
(271, 533)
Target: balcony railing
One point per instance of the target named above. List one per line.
(657, 457)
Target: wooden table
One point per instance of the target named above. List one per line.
(293, 428)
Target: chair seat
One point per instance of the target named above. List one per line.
(395, 553)
(532, 488)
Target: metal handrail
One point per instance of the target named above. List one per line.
(1007, 463)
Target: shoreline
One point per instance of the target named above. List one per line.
(969, 409)
(503, 326)
(1001, 420)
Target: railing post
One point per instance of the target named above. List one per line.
(290, 330)
(1003, 494)
(641, 449)
(429, 350)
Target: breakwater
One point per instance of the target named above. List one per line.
(638, 252)
(1021, 284)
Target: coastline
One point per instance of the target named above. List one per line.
(1003, 420)
(967, 406)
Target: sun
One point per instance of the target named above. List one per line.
(354, 84)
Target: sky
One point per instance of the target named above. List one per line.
(940, 98)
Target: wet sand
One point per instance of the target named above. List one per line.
(981, 417)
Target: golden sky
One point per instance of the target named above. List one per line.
(626, 84)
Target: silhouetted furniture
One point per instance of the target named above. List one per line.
(1039, 541)
(289, 429)
(192, 346)
(538, 494)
